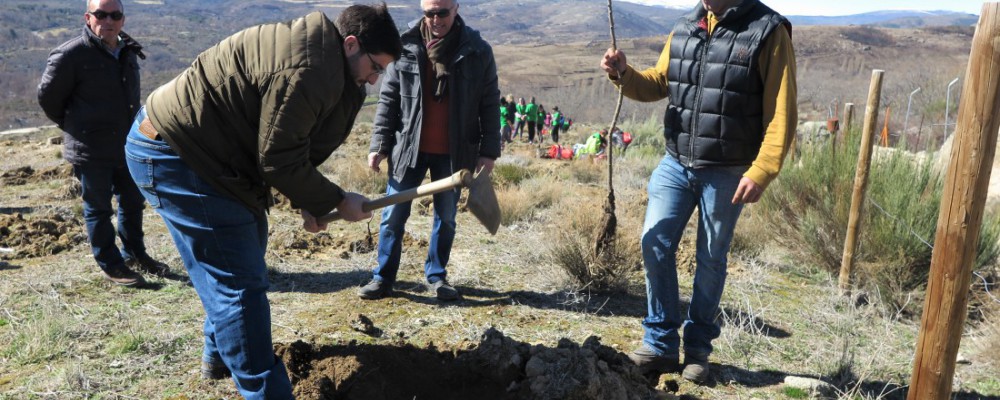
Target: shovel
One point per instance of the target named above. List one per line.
(482, 200)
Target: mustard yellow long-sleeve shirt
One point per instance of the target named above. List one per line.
(777, 70)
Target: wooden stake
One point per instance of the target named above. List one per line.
(860, 181)
(961, 216)
(848, 117)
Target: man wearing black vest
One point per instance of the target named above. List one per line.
(729, 70)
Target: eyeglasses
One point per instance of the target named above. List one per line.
(376, 68)
(100, 15)
(441, 13)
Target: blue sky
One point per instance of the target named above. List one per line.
(845, 7)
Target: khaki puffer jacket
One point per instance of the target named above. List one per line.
(262, 109)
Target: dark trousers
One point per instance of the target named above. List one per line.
(99, 185)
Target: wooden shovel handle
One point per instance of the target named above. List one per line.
(459, 179)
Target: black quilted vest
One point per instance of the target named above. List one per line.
(715, 112)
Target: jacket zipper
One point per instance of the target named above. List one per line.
(697, 99)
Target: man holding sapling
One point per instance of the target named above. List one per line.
(729, 70)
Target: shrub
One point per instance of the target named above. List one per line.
(506, 174)
(806, 210)
(572, 248)
(520, 203)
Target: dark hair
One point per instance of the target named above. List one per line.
(503, 101)
(373, 26)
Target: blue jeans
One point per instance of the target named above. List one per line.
(99, 184)
(393, 226)
(222, 244)
(674, 192)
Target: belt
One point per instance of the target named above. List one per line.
(146, 129)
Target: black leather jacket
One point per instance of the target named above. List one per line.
(92, 97)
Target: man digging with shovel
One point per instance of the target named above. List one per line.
(437, 112)
(261, 109)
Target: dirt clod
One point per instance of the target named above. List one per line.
(36, 236)
(365, 325)
(27, 174)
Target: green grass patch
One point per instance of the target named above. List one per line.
(795, 393)
(126, 343)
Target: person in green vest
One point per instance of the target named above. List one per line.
(594, 146)
(557, 121)
(519, 117)
(531, 116)
(505, 121)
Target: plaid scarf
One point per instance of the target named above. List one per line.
(440, 51)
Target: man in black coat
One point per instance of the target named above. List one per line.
(437, 113)
(90, 89)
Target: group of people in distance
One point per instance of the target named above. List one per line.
(517, 117)
(264, 107)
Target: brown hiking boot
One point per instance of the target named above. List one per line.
(695, 368)
(214, 370)
(124, 276)
(148, 265)
(649, 361)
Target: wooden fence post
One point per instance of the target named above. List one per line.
(848, 116)
(860, 181)
(963, 200)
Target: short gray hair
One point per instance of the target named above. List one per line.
(120, 4)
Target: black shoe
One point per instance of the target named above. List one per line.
(375, 289)
(443, 290)
(147, 264)
(649, 361)
(214, 370)
(123, 276)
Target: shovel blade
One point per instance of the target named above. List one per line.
(483, 203)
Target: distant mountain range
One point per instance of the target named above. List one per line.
(885, 19)
(892, 19)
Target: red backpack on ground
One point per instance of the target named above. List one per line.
(626, 137)
(554, 151)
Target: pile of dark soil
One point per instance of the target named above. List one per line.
(36, 236)
(495, 368)
(26, 174)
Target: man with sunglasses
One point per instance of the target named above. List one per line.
(437, 112)
(90, 89)
(259, 110)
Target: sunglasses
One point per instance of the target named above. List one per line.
(442, 13)
(115, 15)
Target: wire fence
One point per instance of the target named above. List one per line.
(987, 286)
